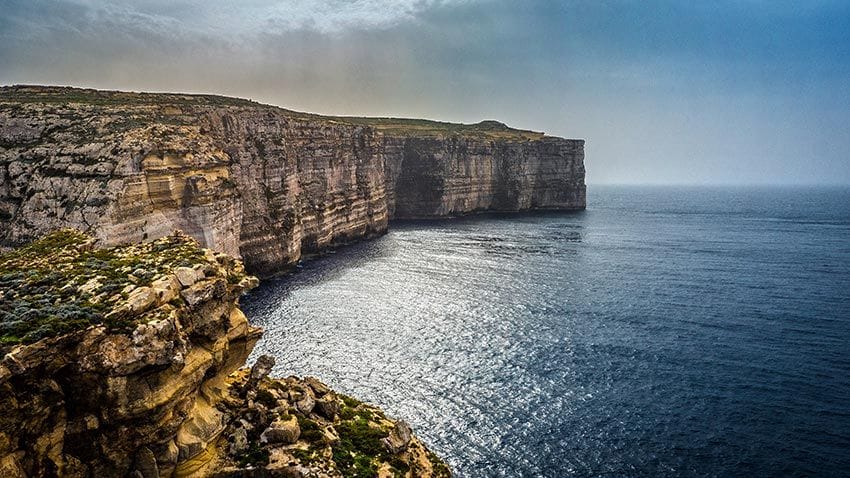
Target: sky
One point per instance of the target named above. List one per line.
(663, 92)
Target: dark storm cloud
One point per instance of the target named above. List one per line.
(664, 91)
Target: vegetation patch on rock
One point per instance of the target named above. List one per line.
(300, 427)
(63, 283)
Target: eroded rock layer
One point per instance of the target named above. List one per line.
(255, 181)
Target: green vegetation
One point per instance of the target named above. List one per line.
(304, 456)
(255, 455)
(349, 401)
(64, 95)
(352, 443)
(439, 468)
(359, 451)
(61, 283)
(310, 430)
(358, 448)
(400, 468)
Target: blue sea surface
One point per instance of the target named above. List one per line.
(661, 332)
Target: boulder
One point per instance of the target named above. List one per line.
(166, 288)
(306, 404)
(398, 438)
(262, 367)
(187, 276)
(260, 370)
(140, 299)
(318, 387)
(203, 291)
(328, 406)
(283, 432)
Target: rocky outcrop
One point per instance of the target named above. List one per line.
(298, 427)
(125, 362)
(254, 181)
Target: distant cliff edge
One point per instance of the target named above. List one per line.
(256, 181)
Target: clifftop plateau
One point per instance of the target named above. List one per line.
(126, 361)
(257, 182)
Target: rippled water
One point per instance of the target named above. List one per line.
(664, 331)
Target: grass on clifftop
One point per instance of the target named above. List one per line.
(89, 96)
(20, 94)
(61, 283)
(419, 127)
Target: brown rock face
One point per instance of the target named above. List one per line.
(138, 393)
(256, 181)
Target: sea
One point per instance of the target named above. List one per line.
(664, 331)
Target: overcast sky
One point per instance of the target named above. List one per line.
(751, 91)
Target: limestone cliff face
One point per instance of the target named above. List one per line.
(303, 184)
(444, 176)
(124, 362)
(258, 182)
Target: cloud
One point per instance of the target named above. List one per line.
(224, 18)
(664, 91)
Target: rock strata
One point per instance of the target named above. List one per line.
(254, 181)
(126, 362)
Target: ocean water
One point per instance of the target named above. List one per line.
(661, 332)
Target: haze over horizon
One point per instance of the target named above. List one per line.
(664, 92)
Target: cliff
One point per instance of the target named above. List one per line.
(254, 181)
(126, 362)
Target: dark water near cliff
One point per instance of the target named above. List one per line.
(664, 331)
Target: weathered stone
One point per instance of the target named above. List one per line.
(166, 288)
(398, 438)
(187, 276)
(282, 432)
(262, 367)
(124, 394)
(328, 405)
(318, 387)
(201, 292)
(141, 299)
(306, 404)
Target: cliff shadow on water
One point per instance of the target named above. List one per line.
(329, 264)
